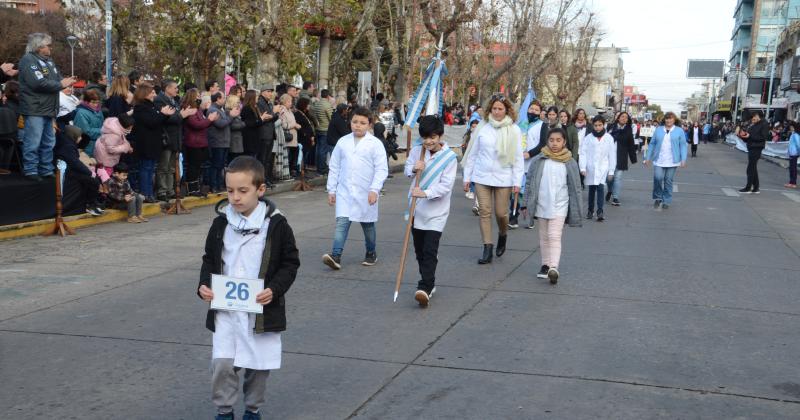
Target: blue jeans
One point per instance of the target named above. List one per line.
(596, 193)
(616, 183)
(147, 170)
(662, 184)
(37, 145)
(216, 180)
(343, 227)
(321, 158)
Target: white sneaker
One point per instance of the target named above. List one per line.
(552, 274)
(475, 210)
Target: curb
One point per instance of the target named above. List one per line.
(38, 227)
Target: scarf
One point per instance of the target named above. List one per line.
(247, 225)
(91, 107)
(599, 134)
(506, 148)
(580, 124)
(532, 118)
(563, 156)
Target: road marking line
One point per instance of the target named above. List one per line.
(793, 196)
(730, 192)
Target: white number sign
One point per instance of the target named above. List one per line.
(233, 294)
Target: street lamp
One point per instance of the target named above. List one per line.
(379, 52)
(72, 40)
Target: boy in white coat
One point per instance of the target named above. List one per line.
(437, 172)
(356, 173)
(598, 153)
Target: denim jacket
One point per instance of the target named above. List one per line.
(794, 145)
(677, 138)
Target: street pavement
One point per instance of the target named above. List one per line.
(689, 313)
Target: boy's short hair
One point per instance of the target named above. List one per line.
(475, 122)
(430, 125)
(121, 168)
(125, 120)
(248, 164)
(598, 118)
(362, 111)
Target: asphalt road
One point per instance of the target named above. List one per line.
(681, 314)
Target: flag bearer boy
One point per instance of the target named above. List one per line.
(250, 240)
(437, 171)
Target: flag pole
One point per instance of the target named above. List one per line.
(409, 225)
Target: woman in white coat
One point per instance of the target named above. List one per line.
(598, 153)
(356, 173)
(493, 161)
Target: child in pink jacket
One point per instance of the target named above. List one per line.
(112, 144)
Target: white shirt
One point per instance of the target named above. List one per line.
(665, 158)
(598, 157)
(533, 137)
(67, 103)
(233, 337)
(483, 166)
(431, 213)
(355, 170)
(695, 135)
(553, 199)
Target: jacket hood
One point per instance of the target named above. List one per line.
(272, 209)
(112, 126)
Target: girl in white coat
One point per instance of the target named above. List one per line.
(357, 170)
(493, 161)
(598, 160)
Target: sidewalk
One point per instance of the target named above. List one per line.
(38, 227)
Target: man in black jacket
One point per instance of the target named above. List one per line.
(173, 130)
(267, 130)
(756, 138)
(66, 149)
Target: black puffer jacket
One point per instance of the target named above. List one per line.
(759, 133)
(626, 148)
(284, 260)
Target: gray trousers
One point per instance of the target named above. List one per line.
(165, 172)
(225, 386)
(135, 205)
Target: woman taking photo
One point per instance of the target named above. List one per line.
(756, 138)
(494, 162)
(148, 130)
(195, 138)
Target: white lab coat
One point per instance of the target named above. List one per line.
(482, 165)
(431, 212)
(533, 137)
(354, 171)
(233, 336)
(598, 158)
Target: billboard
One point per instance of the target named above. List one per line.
(705, 69)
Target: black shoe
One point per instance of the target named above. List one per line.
(542, 274)
(745, 190)
(501, 245)
(93, 211)
(390, 176)
(657, 204)
(608, 196)
(615, 202)
(99, 209)
(49, 176)
(249, 415)
(487, 254)
(332, 261)
(590, 215)
(34, 178)
(370, 259)
(513, 223)
(552, 274)
(162, 197)
(150, 200)
(665, 206)
(600, 217)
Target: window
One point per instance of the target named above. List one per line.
(761, 64)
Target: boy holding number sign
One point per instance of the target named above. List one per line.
(251, 239)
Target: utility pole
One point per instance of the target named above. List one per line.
(108, 28)
(774, 54)
(738, 83)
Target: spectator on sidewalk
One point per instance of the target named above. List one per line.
(195, 135)
(77, 171)
(794, 152)
(112, 144)
(756, 137)
(67, 106)
(173, 129)
(120, 98)
(99, 83)
(40, 84)
(237, 125)
(89, 118)
(148, 133)
(122, 195)
(266, 132)
(321, 113)
(219, 141)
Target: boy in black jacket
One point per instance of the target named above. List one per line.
(251, 239)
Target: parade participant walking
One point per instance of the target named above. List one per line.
(756, 138)
(554, 194)
(251, 239)
(573, 141)
(622, 132)
(437, 171)
(494, 161)
(582, 126)
(40, 84)
(599, 152)
(794, 152)
(356, 174)
(667, 151)
(535, 139)
(695, 132)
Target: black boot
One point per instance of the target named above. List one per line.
(487, 254)
(501, 245)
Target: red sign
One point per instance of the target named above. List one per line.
(627, 90)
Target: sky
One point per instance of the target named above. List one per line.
(662, 36)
